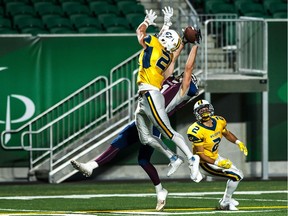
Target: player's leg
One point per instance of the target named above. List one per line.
(234, 177)
(126, 137)
(145, 132)
(155, 109)
(144, 156)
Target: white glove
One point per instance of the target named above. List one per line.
(150, 17)
(168, 13)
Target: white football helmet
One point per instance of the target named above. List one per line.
(170, 39)
(204, 115)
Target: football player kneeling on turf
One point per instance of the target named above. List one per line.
(206, 134)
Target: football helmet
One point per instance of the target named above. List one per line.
(203, 115)
(170, 39)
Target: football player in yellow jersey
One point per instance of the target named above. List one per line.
(154, 62)
(205, 135)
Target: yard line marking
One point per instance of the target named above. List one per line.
(88, 196)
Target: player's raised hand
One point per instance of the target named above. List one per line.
(150, 17)
(168, 13)
(242, 147)
(223, 163)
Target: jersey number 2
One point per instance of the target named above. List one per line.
(164, 61)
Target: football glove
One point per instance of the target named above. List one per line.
(242, 147)
(150, 17)
(168, 13)
(223, 163)
(198, 36)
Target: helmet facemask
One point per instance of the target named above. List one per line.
(203, 110)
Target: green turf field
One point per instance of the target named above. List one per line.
(138, 198)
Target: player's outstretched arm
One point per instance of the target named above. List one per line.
(189, 69)
(141, 30)
(168, 14)
(232, 138)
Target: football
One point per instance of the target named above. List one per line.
(190, 34)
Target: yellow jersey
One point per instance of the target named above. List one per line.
(208, 137)
(153, 61)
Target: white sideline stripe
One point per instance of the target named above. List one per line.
(88, 196)
(138, 213)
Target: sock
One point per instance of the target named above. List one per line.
(158, 187)
(231, 186)
(93, 164)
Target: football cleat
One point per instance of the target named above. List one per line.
(161, 199)
(232, 201)
(85, 169)
(224, 205)
(194, 167)
(174, 166)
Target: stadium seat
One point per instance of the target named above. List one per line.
(18, 1)
(70, 8)
(208, 3)
(277, 8)
(90, 30)
(48, 9)
(244, 8)
(8, 31)
(57, 22)
(80, 21)
(62, 30)
(77, 1)
(41, 1)
(126, 7)
(16, 8)
(280, 15)
(5, 23)
(34, 31)
(98, 8)
(217, 8)
(28, 22)
(118, 29)
(135, 19)
(106, 20)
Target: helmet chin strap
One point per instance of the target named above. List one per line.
(205, 117)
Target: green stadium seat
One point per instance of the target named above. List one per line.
(8, 31)
(5, 23)
(218, 8)
(34, 31)
(106, 20)
(18, 1)
(135, 19)
(41, 1)
(80, 21)
(103, 1)
(70, 8)
(77, 1)
(280, 15)
(118, 29)
(244, 8)
(21, 22)
(277, 7)
(127, 7)
(90, 30)
(62, 30)
(98, 8)
(57, 22)
(208, 3)
(16, 8)
(44, 8)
